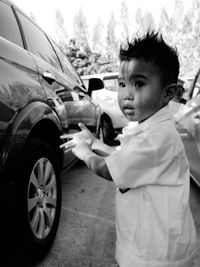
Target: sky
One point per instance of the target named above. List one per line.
(44, 10)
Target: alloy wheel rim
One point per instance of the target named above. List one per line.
(42, 198)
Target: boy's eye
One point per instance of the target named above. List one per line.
(139, 84)
(121, 84)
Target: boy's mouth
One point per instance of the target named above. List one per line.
(128, 110)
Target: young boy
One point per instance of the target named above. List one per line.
(154, 225)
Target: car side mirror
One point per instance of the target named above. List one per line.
(94, 84)
(182, 101)
(179, 95)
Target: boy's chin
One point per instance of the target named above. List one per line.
(131, 117)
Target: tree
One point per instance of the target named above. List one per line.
(81, 28)
(166, 25)
(111, 41)
(88, 63)
(79, 57)
(124, 16)
(195, 10)
(61, 33)
(148, 22)
(139, 21)
(97, 40)
(186, 45)
(164, 21)
(144, 22)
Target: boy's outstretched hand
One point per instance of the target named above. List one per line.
(81, 150)
(83, 136)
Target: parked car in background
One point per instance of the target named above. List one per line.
(107, 98)
(187, 118)
(191, 85)
(41, 98)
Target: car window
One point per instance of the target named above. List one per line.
(68, 68)
(194, 102)
(68, 95)
(37, 42)
(86, 82)
(66, 65)
(8, 25)
(197, 87)
(111, 84)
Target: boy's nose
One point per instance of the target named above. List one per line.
(129, 97)
(128, 94)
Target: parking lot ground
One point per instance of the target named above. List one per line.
(86, 234)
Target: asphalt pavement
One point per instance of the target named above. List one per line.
(86, 234)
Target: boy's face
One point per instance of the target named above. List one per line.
(140, 92)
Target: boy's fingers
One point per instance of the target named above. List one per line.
(82, 126)
(67, 136)
(68, 144)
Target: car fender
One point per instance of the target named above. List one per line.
(20, 129)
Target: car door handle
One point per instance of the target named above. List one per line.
(49, 77)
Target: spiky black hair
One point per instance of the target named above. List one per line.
(152, 48)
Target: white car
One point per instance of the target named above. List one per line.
(107, 98)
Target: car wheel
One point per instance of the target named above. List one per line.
(38, 198)
(108, 131)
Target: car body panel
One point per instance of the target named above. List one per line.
(19, 82)
(79, 108)
(19, 131)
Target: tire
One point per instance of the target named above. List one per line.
(38, 199)
(108, 132)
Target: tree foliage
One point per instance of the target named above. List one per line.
(97, 38)
(81, 28)
(125, 23)
(111, 40)
(86, 62)
(97, 51)
(61, 31)
(182, 31)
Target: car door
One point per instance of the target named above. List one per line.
(57, 76)
(188, 126)
(80, 108)
(79, 105)
(51, 74)
(19, 82)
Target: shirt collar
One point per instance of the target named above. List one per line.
(161, 115)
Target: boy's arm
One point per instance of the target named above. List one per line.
(95, 163)
(102, 149)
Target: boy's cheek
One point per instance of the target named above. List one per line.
(120, 105)
(120, 99)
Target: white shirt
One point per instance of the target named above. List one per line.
(154, 224)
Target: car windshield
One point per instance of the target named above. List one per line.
(111, 84)
(189, 118)
(187, 85)
(180, 111)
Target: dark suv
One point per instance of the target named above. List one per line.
(41, 97)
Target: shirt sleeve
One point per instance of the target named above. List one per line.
(143, 162)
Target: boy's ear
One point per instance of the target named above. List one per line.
(170, 92)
